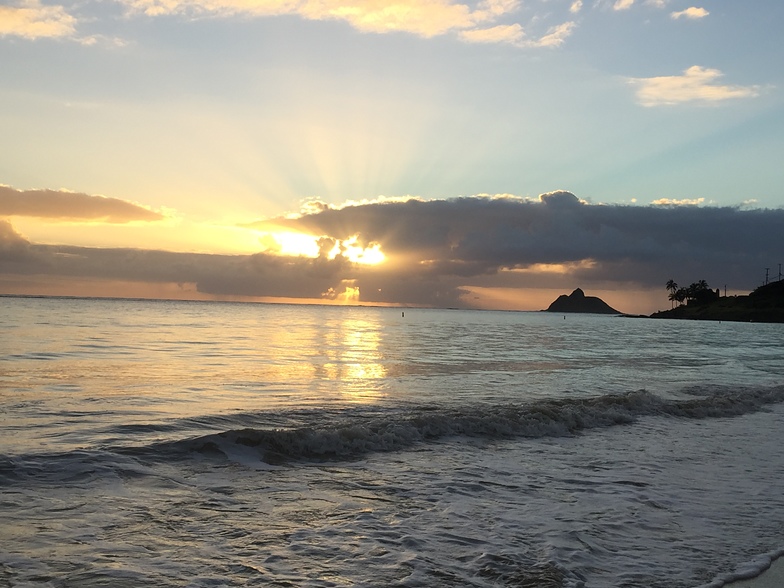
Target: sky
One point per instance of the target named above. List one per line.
(488, 154)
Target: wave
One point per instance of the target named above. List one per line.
(747, 571)
(360, 435)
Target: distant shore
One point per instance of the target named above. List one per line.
(763, 305)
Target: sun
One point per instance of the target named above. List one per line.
(354, 252)
(289, 243)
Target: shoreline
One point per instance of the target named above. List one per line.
(770, 577)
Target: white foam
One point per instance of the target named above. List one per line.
(748, 570)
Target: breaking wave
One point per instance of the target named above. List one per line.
(357, 436)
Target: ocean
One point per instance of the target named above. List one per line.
(163, 443)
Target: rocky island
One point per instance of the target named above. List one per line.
(577, 301)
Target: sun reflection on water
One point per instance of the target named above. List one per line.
(352, 358)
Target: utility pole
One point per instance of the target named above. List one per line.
(779, 272)
(767, 269)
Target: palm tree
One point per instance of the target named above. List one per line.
(672, 288)
(681, 295)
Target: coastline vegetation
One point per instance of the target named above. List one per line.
(697, 293)
(699, 302)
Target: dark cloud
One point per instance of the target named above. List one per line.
(560, 199)
(62, 205)
(9, 238)
(438, 251)
(231, 275)
(15, 250)
(639, 244)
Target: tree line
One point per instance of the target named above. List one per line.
(697, 293)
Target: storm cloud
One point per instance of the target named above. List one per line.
(71, 206)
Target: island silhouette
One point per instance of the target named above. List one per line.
(577, 301)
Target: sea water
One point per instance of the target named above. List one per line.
(160, 443)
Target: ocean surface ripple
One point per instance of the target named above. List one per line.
(148, 443)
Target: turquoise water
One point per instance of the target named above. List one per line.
(203, 444)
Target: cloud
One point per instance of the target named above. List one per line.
(627, 4)
(676, 202)
(557, 35)
(498, 34)
(620, 5)
(697, 84)
(576, 6)
(32, 20)
(426, 18)
(13, 247)
(515, 35)
(478, 239)
(440, 250)
(71, 206)
(473, 23)
(691, 13)
(17, 254)
(232, 276)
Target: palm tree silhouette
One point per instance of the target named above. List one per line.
(672, 288)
